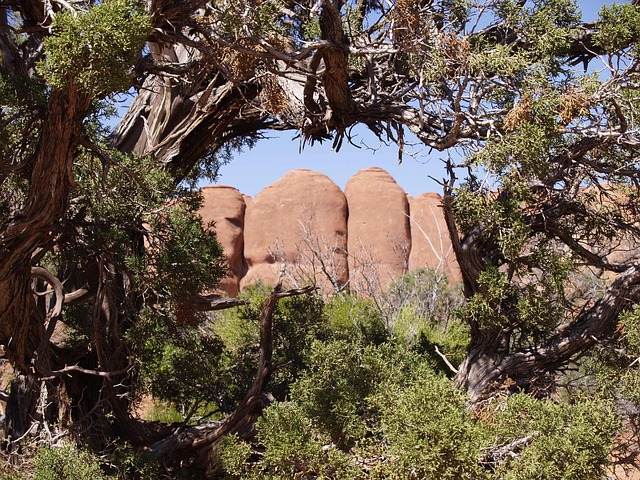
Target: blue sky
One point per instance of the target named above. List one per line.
(252, 170)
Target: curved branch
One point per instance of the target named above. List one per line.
(570, 342)
(46, 276)
(201, 439)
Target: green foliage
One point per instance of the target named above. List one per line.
(614, 368)
(122, 461)
(384, 410)
(297, 322)
(420, 309)
(451, 339)
(184, 257)
(95, 50)
(341, 376)
(545, 25)
(298, 445)
(536, 306)
(208, 364)
(163, 412)
(312, 30)
(479, 309)
(549, 24)
(630, 326)
(179, 364)
(333, 390)
(20, 102)
(127, 197)
(232, 456)
(568, 441)
(503, 217)
(428, 431)
(262, 19)
(295, 449)
(356, 319)
(66, 463)
(619, 26)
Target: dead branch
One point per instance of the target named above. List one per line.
(497, 455)
(209, 303)
(45, 275)
(445, 360)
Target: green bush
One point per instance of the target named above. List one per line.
(297, 322)
(333, 391)
(66, 463)
(232, 456)
(427, 430)
(179, 364)
(568, 441)
(95, 50)
(421, 309)
(384, 412)
(356, 319)
(122, 461)
(297, 450)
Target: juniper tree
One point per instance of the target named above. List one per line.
(541, 105)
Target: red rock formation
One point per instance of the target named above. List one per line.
(302, 207)
(388, 231)
(225, 206)
(379, 233)
(430, 242)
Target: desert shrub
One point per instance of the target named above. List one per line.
(297, 322)
(420, 309)
(385, 412)
(427, 430)
(427, 293)
(66, 463)
(232, 456)
(568, 441)
(123, 461)
(182, 365)
(96, 49)
(296, 449)
(356, 319)
(333, 390)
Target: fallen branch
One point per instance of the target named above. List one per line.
(497, 455)
(208, 303)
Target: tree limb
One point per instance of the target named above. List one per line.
(198, 441)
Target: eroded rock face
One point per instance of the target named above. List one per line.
(286, 221)
(225, 206)
(378, 226)
(430, 242)
(305, 220)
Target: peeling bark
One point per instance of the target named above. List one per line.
(46, 205)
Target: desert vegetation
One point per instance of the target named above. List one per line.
(528, 370)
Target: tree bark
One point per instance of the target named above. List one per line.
(35, 226)
(487, 367)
